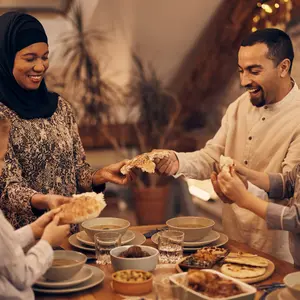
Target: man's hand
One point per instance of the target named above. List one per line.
(39, 225)
(168, 165)
(112, 173)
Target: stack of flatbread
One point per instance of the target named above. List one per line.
(84, 206)
(145, 161)
(244, 265)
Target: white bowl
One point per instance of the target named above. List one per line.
(87, 225)
(192, 234)
(64, 272)
(147, 263)
(249, 291)
(290, 281)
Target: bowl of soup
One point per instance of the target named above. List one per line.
(292, 281)
(194, 228)
(65, 265)
(93, 226)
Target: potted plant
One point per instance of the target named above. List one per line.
(154, 120)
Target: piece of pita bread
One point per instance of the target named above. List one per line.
(246, 259)
(242, 271)
(226, 163)
(84, 206)
(144, 162)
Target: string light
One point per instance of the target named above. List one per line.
(277, 13)
(267, 8)
(256, 19)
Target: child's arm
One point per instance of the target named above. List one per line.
(259, 179)
(283, 217)
(23, 270)
(19, 269)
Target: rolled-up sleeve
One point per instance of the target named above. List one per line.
(283, 217)
(276, 186)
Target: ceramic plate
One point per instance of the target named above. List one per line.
(280, 294)
(210, 238)
(221, 241)
(82, 237)
(75, 243)
(139, 239)
(83, 275)
(96, 278)
(285, 294)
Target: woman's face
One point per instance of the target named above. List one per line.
(30, 65)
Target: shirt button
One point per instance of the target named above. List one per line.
(250, 138)
(263, 118)
(245, 162)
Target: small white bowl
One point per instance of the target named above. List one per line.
(290, 281)
(147, 263)
(192, 234)
(64, 272)
(87, 225)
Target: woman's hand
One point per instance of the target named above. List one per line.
(112, 173)
(55, 201)
(55, 234)
(49, 201)
(39, 225)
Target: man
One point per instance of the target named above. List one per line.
(260, 129)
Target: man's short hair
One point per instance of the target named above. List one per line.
(278, 42)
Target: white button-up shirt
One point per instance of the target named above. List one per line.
(19, 271)
(264, 139)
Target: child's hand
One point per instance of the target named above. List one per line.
(216, 186)
(39, 225)
(232, 186)
(55, 233)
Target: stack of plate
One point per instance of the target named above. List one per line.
(86, 278)
(82, 241)
(214, 238)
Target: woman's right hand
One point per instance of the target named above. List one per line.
(48, 201)
(55, 234)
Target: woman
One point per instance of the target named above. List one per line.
(19, 271)
(45, 157)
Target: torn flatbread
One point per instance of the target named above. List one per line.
(84, 206)
(144, 161)
(226, 163)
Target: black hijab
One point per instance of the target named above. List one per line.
(17, 31)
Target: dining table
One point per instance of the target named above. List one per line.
(104, 290)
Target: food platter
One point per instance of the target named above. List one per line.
(269, 271)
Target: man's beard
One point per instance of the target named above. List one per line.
(257, 100)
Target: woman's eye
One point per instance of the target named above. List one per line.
(30, 59)
(45, 58)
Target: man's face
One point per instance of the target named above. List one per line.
(30, 65)
(258, 74)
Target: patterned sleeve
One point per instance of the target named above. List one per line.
(16, 196)
(84, 172)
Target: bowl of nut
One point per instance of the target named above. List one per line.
(134, 257)
(132, 282)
